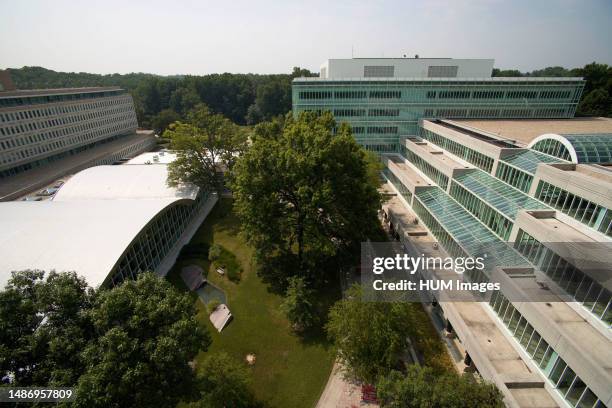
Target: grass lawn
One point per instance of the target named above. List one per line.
(289, 371)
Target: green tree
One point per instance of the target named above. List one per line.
(206, 145)
(369, 336)
(44, 328)
(298, 304)
(223, 383)
(146, 334)
(595, 103)
(163, 120)
(422, 387)
(303, 193)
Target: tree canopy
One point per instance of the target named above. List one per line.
(224, 383)
(303, 193)
(369, 336)
(422, 387)
(596, 98)
(206, 145)
(128, 346)
(242, 98)
(298, 304)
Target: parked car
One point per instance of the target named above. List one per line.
(47, 192)
(30, 198)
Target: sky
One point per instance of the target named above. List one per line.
(201, 37)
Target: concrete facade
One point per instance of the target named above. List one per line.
(39, 126)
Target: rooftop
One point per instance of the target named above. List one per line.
(89, 224)
(525, 130)
(58, 91)
(509, 201)
(473, 236)
(528, 160)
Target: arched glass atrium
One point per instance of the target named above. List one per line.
(577, 148)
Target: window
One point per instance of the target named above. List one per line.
(449, 71)
(378, 71)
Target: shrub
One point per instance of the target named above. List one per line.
(214, 252)
(222, 258)
(212, 305)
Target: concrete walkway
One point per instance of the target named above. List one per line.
(340, 393)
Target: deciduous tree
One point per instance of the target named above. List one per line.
(303, 193)
(423, 387)
(369, 336)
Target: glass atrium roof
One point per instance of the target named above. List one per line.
(529, 160)
(593, 148)
(467, 231)
(497, 194)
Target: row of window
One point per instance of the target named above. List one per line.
(590, 294)
(581, 209)
(430, 170)
(442, 236)
(37, 163)
(110, 128)
(442, 94)
(156, 240)
(27, 140)
(513, 176)
(499, 224)
(62, 109)
(472, 156)
(33, 100)
(403, 190)
(37, 125)
(555, 369)
(383, 130)
(380, 147)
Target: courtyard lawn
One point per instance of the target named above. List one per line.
(290, 371)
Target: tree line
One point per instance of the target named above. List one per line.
(248, 99)
(596, 98)
(245, 99)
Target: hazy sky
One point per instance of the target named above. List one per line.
(199, 37)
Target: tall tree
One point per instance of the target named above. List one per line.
(298, 304)
(206, 144)
(146, 334)
(44, 327)
(369, 336)
(303, 192)
(424, 387)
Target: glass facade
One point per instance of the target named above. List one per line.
(432, 172)
(397, 183)
(381, 110)
(478, 159)
(555, 369)
(590, 294)
(589, 148)
(156, 240)
(585, 211)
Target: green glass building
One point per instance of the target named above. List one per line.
(383, 108)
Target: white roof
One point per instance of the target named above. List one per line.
(88, 225)
(161, 157)
(122, 182)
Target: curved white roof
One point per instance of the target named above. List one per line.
(89, 224)
(122, 182)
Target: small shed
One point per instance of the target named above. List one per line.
(193, 276)
(220, 317)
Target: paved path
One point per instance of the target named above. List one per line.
(339, 393)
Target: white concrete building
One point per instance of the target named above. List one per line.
(107, 223)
